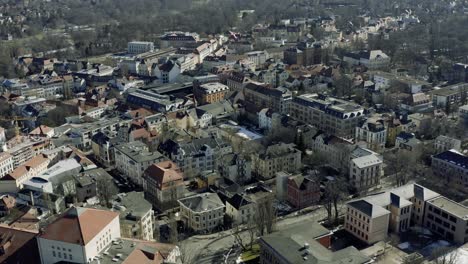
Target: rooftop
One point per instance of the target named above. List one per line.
(453, 157)
(138, 151)
(202, 202)
(132, 205)
(450, 206)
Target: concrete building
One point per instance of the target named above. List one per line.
(260, 96)
(304, 54)
(373, 60)
(138, 47)
(372, 217)
(447, 218)
(445, 143)
(365, 169)
(132, 159)
(163, 184)
(13, 181)
(276, 158)
(208, 93)
(236, 168)
(154, 101)
(307, 242)
(452, 167)
(78, 236)
(136, 216)
(6, 163)
(450, 96)
(331, 115)
(202, 212)
(178, 39)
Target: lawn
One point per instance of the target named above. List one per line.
(251, 255)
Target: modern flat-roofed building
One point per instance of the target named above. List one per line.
(447, 218)
(138, 47)
(452, 167)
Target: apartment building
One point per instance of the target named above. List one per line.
(302, 191)
(449, 96)
(6, 163)
(178, 39)
(365, 169)
(136, 216)
(78, 236)
(202, 212)
(208, 93)
(241, 209)
(276, 158)
(132, 159)
(445, 143)
(331, 115)
(334, 149)
(261, 97)
(452, 167)
(373, 133)
(13, 181)
(447, 218)
(163, 184)
(372, 217)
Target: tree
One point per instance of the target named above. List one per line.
(106, 189)
(265, 216)
(246, 243)
(334, 193)
(401, 164)
(445, 255)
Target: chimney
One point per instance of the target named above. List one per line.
(31, 197)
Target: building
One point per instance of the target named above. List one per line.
(13, 181)
(447, 218)
(276, 158)
(450, 96)
(373, 133)
(302, 191)
(138, 251)
(307, 242)
(79, 235)
(202, 212)
(208, 93)
(335, 150)
(154, 101)
(372, 217)
(240, 209)
(269, 120)
(178, 39)
(304, 54)
(163, 184)
(138, 47)
(236, 168)
(132, 159)
(136, 216)
(18, 245)
(452, 167)
(408, 141)
(6, 163)
(102, 145)
(373, 60)
(365, 170)
(7, 202)
(445, 143)
(463, 115)
(331, 115)
(261, 97)
(167, 72)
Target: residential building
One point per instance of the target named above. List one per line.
(136, 216)
(102, 145)
(237, 81)
(13, 181)
(202, 212)
(138, 251)
(373, 60)
(240, 209)
(417, 103)
(408, 141)
(78, 236)
(138, 47)
(42, 131)
(445, 143)
(365, 169)
(463, 115)
(306, 242)
(276, 158)
(447, 218)
(332, 115)
(302, 191)
(196, 155)
(269, 120)
(261, 97)
(132, 159)
(373, 132)
(334, 149)
(304, 54)
(236, 168)
(178, 39)
(163, 184)
(167, 72)
(7, 202)
(208, 93)
(6, 163)
(372, 217)
(452, 167)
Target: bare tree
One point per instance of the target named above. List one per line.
(245, 242)
(445, 255)
(335, 191)
(401, 164)
(106, 190)
(265, 217)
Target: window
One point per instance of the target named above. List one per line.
(70, 256)
(53, 254)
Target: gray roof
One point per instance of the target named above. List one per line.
(290, 244)
(133, 204)
(202, 202)
(450, 206)
(138, 152)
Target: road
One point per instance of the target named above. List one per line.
(220, 247)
